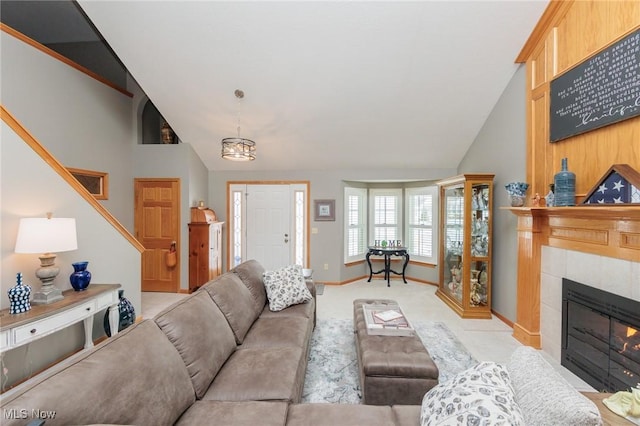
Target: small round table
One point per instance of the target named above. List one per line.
(387, 252)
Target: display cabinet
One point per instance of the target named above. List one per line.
(465, 244)
(205, 247)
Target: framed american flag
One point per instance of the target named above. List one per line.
(619, 185)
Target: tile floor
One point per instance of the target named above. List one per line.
(487, 340)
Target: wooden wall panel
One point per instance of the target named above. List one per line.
(577, 31)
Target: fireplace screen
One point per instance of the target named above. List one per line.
(601, 337)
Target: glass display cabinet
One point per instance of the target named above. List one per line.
(465, 244)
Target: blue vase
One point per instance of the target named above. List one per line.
(127, 314)
(565, 187)
(19, 296)
(80, 278)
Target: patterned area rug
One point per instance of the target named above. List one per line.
(332, 372)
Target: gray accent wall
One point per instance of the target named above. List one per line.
(327, 244)
(176, 161)
(500, 148)
(84, 124)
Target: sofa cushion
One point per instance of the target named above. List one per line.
(235, 301)
(339, 414)
(537, 384)
(286, 287)
(235, 413)
(301, 310)
(136, 377)
(201, 334)
(279, 332)
(480, 395)
(264, 374)
(406, 415)
(250, 272)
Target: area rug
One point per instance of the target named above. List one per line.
(319, 289)
(332, 372)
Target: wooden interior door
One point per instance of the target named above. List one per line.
(157, 226)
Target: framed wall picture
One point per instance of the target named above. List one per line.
(325, 210)
(97, 183)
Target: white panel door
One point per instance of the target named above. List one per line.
(269, 225)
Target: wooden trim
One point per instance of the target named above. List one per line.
(502, 318)
(555, 10)
(185, 291)
(421, 281)
(44, 49)
(104, 181)
(612, 231)
(17, 127)
(272, 182)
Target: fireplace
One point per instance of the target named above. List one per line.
(600, 337)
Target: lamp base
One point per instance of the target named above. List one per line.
(47, 294)
(47, 272)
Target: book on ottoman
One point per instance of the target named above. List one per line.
(385, 320)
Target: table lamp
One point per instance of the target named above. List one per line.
(46, 235)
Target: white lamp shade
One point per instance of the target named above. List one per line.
(42, 235)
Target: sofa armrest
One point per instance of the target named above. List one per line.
(311, 286)
(544, 396)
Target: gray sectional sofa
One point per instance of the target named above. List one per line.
(221, 356)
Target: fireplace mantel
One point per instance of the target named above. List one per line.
(612, 231)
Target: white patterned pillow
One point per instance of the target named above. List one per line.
(285, 287)
(481, 395)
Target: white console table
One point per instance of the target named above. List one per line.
(19, 329)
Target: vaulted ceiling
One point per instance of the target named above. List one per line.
(328, 85)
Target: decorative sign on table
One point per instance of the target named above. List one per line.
(602, 90)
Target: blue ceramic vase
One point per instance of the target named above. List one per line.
(127, 314)
(80, 278)
(19, 296)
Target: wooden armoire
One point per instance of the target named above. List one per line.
(205, 247)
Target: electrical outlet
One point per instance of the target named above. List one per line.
(326, 266)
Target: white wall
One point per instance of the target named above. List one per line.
(500, 148)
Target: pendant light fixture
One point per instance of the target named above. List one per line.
(238, 149)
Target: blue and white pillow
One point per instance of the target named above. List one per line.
(481, 395)
(285, 287)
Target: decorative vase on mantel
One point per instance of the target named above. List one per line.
(80, 278)
(564, 183)
(126, 317)
(516, 191)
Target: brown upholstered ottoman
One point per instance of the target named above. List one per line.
(394, 370)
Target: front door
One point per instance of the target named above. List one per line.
(269, 225)
(157, 227)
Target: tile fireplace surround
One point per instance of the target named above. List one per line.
(596, 246)
(617, 276)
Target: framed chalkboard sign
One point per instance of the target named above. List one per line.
(602, 90)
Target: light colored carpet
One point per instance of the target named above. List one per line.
(332, 372)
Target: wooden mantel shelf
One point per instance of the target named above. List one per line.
(599, 212)
(612, 231)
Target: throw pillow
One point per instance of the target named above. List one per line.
(285, 287)
(481, 395)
